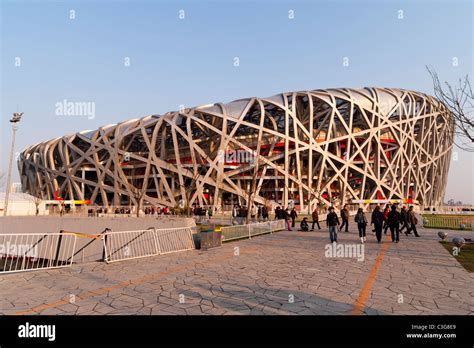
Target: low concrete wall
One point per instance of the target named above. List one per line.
(88, 249)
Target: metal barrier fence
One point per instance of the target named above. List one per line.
(33, 251)
(126, 245)
(250, 230)
(123, 245)
(171, 240)
(456, 223)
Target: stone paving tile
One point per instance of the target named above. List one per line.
(283, 273)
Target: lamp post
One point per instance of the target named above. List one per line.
(14, 120)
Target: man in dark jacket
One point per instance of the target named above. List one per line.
(393, 221)
(377, 221)
(345, 218)
(304, 226)
(293, 215)
(277, 213)
(404, 218)
(332, 221)
(315, 217)
(385, 218)
(412, 220)
(286, 216)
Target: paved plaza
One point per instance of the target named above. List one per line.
(282, 273)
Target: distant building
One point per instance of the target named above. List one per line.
(327, 147)
(22, 204)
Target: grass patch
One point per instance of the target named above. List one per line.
(448, 222)
(465, 257)
(465, 216)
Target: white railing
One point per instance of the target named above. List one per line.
(33, 251)
(455, 222)
(127, 245)
(171, 240)
(250, 230)
(123, 245)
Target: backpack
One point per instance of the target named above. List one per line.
(360, 218)
(377, 217)
(356, 218)
(393, 218)
(344, 214)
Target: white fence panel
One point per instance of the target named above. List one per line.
(125, 245)
(235, 232)
(260, 228)
(33, 251)
(171, 240)
(247, 231)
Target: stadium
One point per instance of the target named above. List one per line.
(307, 149)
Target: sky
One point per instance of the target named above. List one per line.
(135, 58)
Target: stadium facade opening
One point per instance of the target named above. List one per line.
(326, 147)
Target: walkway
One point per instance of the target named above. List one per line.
(283, 273)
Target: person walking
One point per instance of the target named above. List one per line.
(304, 226)
(377, 220)
(209, 213)
(241, 215)
(286, 216)
(332, 222)
(265, 213)
(385, 218)
(413, 222)
(361, 221)
(345, 218)
(404, 220)
(293, 216)
(315, 216)
(277, 213)
(253, 212)
(235, 214)
(393, 221)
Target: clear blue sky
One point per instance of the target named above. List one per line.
(191, 61)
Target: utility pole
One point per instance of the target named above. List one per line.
(14, 120)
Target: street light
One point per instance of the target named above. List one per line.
(14, 120)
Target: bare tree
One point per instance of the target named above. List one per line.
(137, 191)
(253, 189)
(460, 100)
(136, 194)
(189, 188)
(37, 201)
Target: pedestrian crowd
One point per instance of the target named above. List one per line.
(241, 212)
(390, 219)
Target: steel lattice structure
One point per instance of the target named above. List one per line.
(322, 146)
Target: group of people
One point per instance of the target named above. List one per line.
(390, 218)
(257, 213)
(315, 216)
(157, 211)
(287, 215)
(197, 210)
